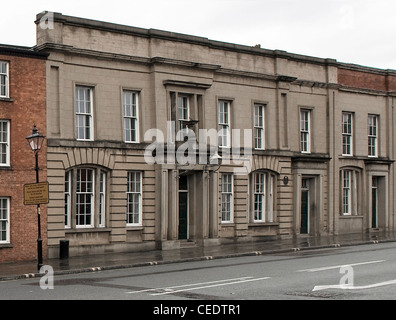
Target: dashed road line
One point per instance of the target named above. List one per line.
(339, 266)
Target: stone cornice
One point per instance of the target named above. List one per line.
(349, 89)
(179, 37)
(21, 52)
(187, 84)
(70, 50)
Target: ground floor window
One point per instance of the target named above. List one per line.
(349, 192)
(4, 220)
(85, 195)
(263, 196)
(134, 198)
(227, 198)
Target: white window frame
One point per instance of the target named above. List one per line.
(102, 199)
(347, 133)
(68, 202)
(134, 192)
(183, 110)
(305, 131)
(259, 186)
(224, 123)
(5, 220)
(259, 126)
(346, 192)
(131, 115)
(372, 132)
(90, 195)
(349, 192)
(84, 114)
(263, 195)
(227, 198)
(96, 196)
(4, 79)
(5, 143)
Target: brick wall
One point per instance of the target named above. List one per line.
(26, 107)
(381, 80)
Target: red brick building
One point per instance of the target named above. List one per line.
(22, 104)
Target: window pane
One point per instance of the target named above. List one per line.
(3, 79)
(258, 207)
(226, 197)
(259, 126)
(67, 198)
(3, 67)
(134, 197)
(183, 108)
(305, 130)
(346, 192)
(259, 196)
(372, 135)
(102, 200)
(4, 143)
(4, 220)
(83, 113)
(3, 85)
(130, 116)
(84, 197)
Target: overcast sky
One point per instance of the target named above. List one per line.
(355, 31)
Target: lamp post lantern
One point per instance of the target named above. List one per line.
(35, 141)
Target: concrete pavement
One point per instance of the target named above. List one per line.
(18, 270)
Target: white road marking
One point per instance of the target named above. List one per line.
(338, 267)
(211, 286)
(188, 285)
(352, 287)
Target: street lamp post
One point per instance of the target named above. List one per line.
(35, 141)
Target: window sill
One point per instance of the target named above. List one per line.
(6, 245)
(263, 224)
(351, 217)
(6, 99)
(87, 229)
(227, 224)
(134, 228)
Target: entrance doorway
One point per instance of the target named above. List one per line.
(305, 207)
(374, 203)
(183, 207)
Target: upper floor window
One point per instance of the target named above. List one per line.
(4, 79)
(4, 142)
(183, 111)
(84, 113)
(372, 126)
(131, 116)
(305, 131)
(347, 133)
(259, 133)
(224, 131)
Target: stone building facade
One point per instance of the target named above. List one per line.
(22, 104)
(157, 139)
